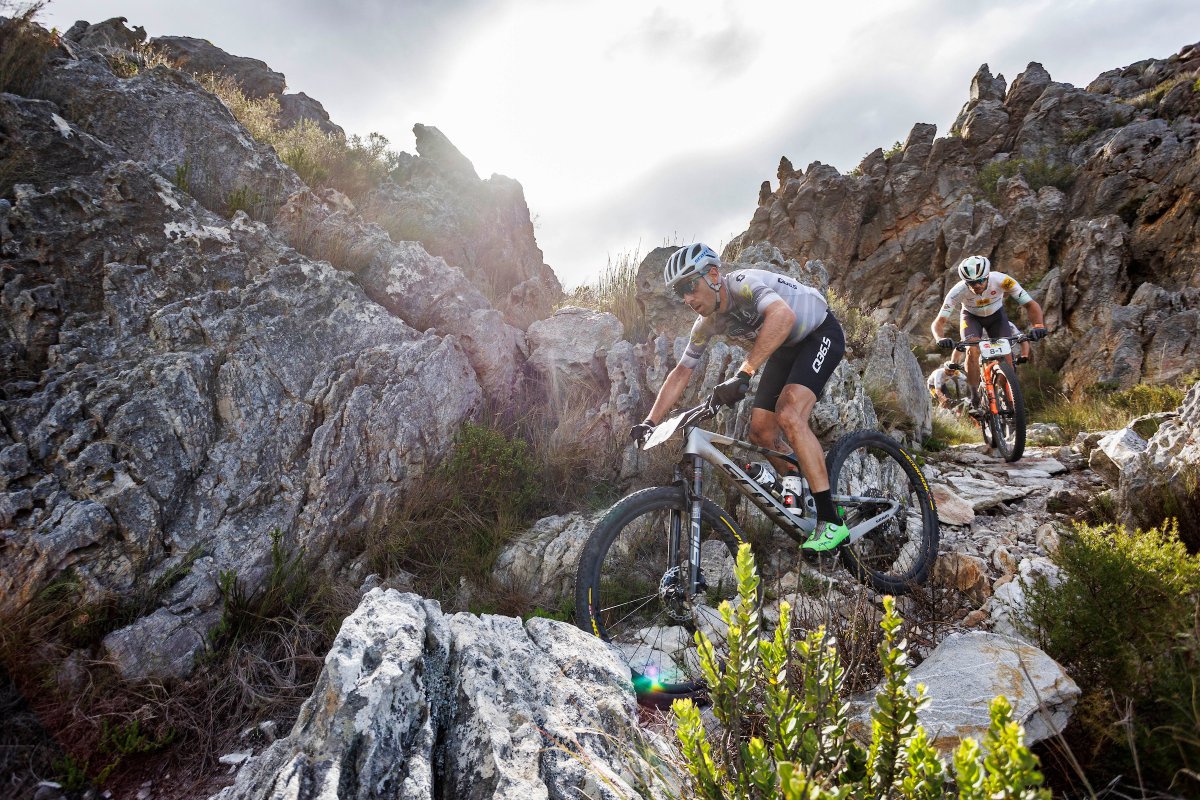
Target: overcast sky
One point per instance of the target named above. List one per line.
(637, 123)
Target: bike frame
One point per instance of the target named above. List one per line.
(987, 366)
(702, 446)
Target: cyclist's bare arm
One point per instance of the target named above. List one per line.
(778, 319)
(938, 328)
(1035, 312)
(671, 391)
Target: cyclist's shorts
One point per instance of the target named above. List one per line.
(809, 362)
(996, 324)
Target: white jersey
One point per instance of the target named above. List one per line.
(999, 286)
(749, 293)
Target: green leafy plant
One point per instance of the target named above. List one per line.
(245, 199)
(182, 179)
(896, 148)
(860, 328)
(786, 732)
(287, 589)
(1123, 622)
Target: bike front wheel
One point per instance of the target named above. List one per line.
(630, 592)
(896, 554)
(1009, 430)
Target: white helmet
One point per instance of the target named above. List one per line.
(974, 268)
(688, 262)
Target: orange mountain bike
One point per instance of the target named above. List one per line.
(1002, 413)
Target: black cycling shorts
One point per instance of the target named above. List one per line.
(996, 324)
(809, 362)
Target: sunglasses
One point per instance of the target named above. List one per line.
(686, 288)
(979, 282)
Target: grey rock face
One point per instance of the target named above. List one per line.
(415, 704)
(543, 560)
(407, 281)
(111, 33)
(162, 118)
(1163, 471)
(892, 368)
(293, 108)
(181, 381)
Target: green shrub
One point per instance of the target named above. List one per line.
(287, 591)
(896, 148)
(245, 199)
(1123, 622)
(860, 328)
(778, 698)
(1099, 408)
(1038, 172)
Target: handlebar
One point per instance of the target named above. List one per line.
(965, 345)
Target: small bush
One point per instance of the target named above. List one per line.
(896, 148)
(245, 199)
(616, 292)
(1123, 622)
(24, 47)
(949, 429)
(1038, 172)
(892, 413)
(1100, 408)
(778, 699)
(860, 328)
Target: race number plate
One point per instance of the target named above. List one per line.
(663, 432)
(994, 349)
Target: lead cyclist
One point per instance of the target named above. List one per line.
(794, 338)
(980, 297)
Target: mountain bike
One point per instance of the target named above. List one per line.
(658, 565)
(1002, 417)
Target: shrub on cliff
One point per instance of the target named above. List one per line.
(24, 47)
(779, 701)
(351, 165)
(1124, 623)
(1038, 171)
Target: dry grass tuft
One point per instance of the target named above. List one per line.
(25, 47)
(616, 292)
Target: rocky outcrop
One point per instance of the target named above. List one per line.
(1163, 476)
(253, 77)
(164, 119)
(406, 280)
(417, 704)
(1083, 195)
(175, 381)
(480, 226)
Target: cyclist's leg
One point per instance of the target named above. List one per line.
(764, 423)
(971, 331)
(817, 356)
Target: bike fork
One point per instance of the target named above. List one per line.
(693, 486)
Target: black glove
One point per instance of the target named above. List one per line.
(945, 343)
(641, 432)
(1038, 332)
(732, 390)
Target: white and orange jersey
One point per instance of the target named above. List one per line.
(999, 286)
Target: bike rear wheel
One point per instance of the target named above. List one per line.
(897, 554)
(1009, 430)
(628, 593)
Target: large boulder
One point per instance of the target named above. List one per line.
(417, 704)
(967, 670)
(892, 372)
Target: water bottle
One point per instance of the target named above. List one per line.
(761, 472)
(796, 497)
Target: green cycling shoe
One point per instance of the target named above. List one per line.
(827, 536)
